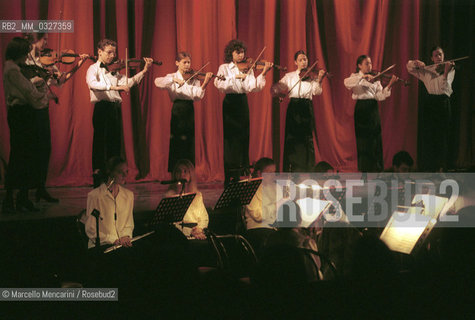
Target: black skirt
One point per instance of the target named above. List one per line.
(369, 143)
(434, 133)
(182, 133)
(236, 133)
(299, 152)
(22, 171)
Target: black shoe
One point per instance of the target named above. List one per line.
(43, 194)
(25, 205)
(8, 207)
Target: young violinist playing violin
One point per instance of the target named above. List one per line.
(182, 92)
(104, 88)
(235, 107)
(367, 93)
(23, 97)
(299, 153)
(38, 43)
(434, 114)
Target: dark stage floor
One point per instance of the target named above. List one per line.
(73, 200)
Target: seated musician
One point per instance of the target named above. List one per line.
(196, 214)
(258, 229)
(115, 205)
(402, 162)
(291, 237)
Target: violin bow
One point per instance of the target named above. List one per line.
(255, 61)
(433, 67)
(304, 75)
(443, 62)
(194, 75)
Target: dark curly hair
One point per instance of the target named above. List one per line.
(17, 48)
(233, 45)
(402, 157)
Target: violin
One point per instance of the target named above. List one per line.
(386, 76)
(312, 75)
(132, 63)
(49, 57)
(440, 67)
(200, 75)
(31, 71)
(247, 63)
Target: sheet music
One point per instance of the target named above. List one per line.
(433, 205)
(311, 210)
(404, 230)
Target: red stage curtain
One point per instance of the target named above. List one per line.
(334, 32)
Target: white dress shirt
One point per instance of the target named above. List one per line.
(363, 89)
(100, 81)
(110, 229)
(196, 213)
(304, 89)
(233, 85)
(189, 91)
(19, 90)
(435, 83)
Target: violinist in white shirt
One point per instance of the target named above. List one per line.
(235, 106)
(367, 93)
(299, 152)
(182, 92)
(38, 43)
(435, 113)
(104, 88)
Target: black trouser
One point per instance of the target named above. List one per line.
(369, 143)
(22, 172)
(182, 133)
(43, 146)
(236, 135)
(107, 140)
(299, 152)
(434, 132)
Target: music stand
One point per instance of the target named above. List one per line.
(171, 210)
(238, 193)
